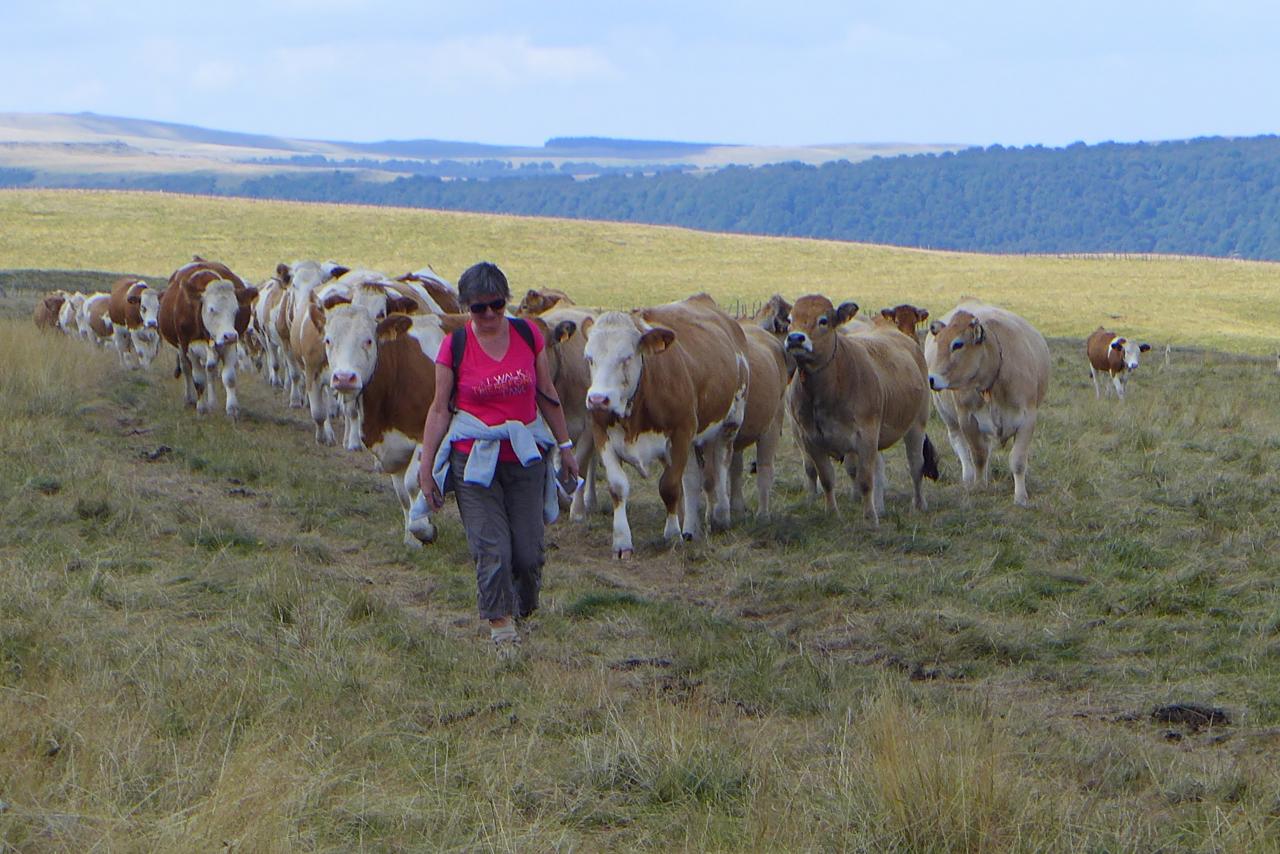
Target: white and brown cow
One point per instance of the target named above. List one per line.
(47, 309)
(270, 294)
(135, 316)
(388, 366)
(69, 314)
(95, 320)
(989, 369)
(443, 296)
(853, 396)
(668, 384)
(299, 279)
(203, 312)
(1113, 355)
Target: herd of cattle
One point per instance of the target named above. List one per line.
(683, 385)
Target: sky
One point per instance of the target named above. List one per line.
(737, 71)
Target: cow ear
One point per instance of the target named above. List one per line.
(401, 305)
(334, 300)
(846, 311)
(585, 328)
(337, 271)
(53, 303)
(133, 299)
(887, 313)
(246, 295)
(922, 315)
(393, 326)
(979, 334)
(317, 316)
(564, 331)
(1142, 348)
(282, 273)
(1117, 344)
(936, 327)
(656, 339)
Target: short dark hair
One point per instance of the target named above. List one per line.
(482, 280)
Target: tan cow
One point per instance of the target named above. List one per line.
(135, 312)
(667, 384)
(1114, 355)
(907, 318)
(203, 312)
(989, 369)
(856, 395)
(388, 366)
(540, 301)
(762, 418)
(47, 310)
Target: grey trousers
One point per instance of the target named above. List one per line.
(504, 529)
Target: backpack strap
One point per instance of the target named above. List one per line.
(458, 346)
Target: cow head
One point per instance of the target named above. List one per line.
(1126, 353)
(53, 304)
(960, 355)
(906, 317)
(147, 303)
(351, 344)
(69, 314)
(537, 302)
(617, 343)
(220, 302)
(812, 328)
(774, 316)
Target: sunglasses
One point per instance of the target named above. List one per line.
(496, 305)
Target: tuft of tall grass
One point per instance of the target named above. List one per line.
(46, 374)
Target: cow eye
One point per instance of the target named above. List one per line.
(822, 321)
(368, 342)
(327, 342)
(957, 344)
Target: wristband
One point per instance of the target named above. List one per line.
(566, 445)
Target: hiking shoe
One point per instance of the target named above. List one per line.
(506, 641)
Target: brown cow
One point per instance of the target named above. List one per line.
(762, 419)
(1112, 354)
(907, 318)
(856, 395)
(135, 311)
(667, 383)
(203, 312)
(47, 310)
(536, 302)
(990, 371)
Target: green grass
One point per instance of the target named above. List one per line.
(230, 647)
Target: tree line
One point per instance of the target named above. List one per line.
(1209, 196)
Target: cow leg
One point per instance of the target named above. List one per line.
(229, 381)
(585, 498)
(210, 373)
(737, 503)
(197, 360)
(877, 485)
(120, 336)
(1119, 384)
(1018, 458)
(320, 412)
(766, 450)
(861, 466)
(355, 423)
(914, 442)
(1097, 389)
(297, 384)
(683, 478)
(825, 471)
(619, 490)
(715, 471)
(416, 531)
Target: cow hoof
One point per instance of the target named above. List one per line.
(623, 554)
(233, 412)
(421, 534)
(687, 537)
(411, 542)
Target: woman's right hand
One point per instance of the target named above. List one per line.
(434, 498)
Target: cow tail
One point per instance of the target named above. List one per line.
(930, 459)
(177, 373)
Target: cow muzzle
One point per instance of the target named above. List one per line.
(344, 381)
(227, 338)
(598, 401)
(937, 383)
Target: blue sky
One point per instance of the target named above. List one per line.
(784, 73)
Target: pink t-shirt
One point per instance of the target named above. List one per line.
(496, 390)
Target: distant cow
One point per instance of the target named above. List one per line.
(989, 369)
(47, 310)
(855, 395)
(668, 384)
(1112, 354)
(539, 301)
(203, 312)
(387, 366)
(135, 315)
(907, 318)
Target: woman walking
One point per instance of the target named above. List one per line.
(490, 447)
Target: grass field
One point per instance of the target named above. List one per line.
(211, 637)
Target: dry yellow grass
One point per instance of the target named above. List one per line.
(1213, 303)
